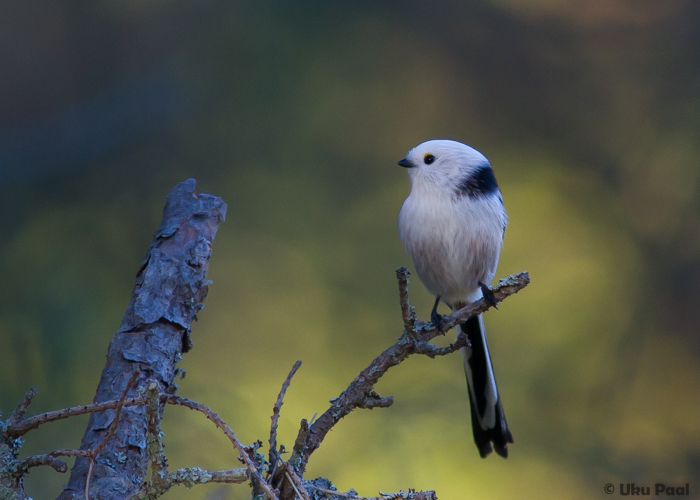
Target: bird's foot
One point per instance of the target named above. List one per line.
(489, 297)
(437, 318)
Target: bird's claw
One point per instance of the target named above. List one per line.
(438, 320)
(489, 297)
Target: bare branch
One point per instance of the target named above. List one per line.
(355, 396)
(409, 319)
(399, 495)
(62, 452)
(299, 449)
(21, 428)
(296, 484)
(407, 495)
(254, 473)
(195, 475)
(189, 477)
(374, 400)
(432, 351)
(170, 288)
(18, 414)
(337, 493)
(37, 460)
(276, 413)
(505, 288)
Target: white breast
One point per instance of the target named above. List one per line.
(454, 241)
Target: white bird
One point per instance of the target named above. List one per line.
(452, 225)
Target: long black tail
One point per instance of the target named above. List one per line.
(488, 421)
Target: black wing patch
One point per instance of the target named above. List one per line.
(481, 182)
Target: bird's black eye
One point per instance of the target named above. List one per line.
(428, 159)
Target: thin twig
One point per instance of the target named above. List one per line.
(230, 476)
(409, 320)
(337, 493)
(432, 351)
(21, 428)
(406, 495)
(34, 422)
(88, 477)
(276, 414)
(412, 495)
(505, 288)
(62, 452)
(189, 477)
(297, 484)
(18, 414)
(300, 484)
(294, 486)
(374, 400)
(36, 460)
(255, 474)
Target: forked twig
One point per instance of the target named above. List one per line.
(254, 472)
(273, 455)
(18, 414)
(415, 340)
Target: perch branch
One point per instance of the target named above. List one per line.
(505, 288)
(414, 340)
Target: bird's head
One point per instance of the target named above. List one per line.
(443, 164)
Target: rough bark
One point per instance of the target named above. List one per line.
(170, 288)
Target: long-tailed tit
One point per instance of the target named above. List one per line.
(452, 226)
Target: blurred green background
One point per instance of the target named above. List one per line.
(296, 113)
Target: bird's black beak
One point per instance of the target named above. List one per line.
(406, 163)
